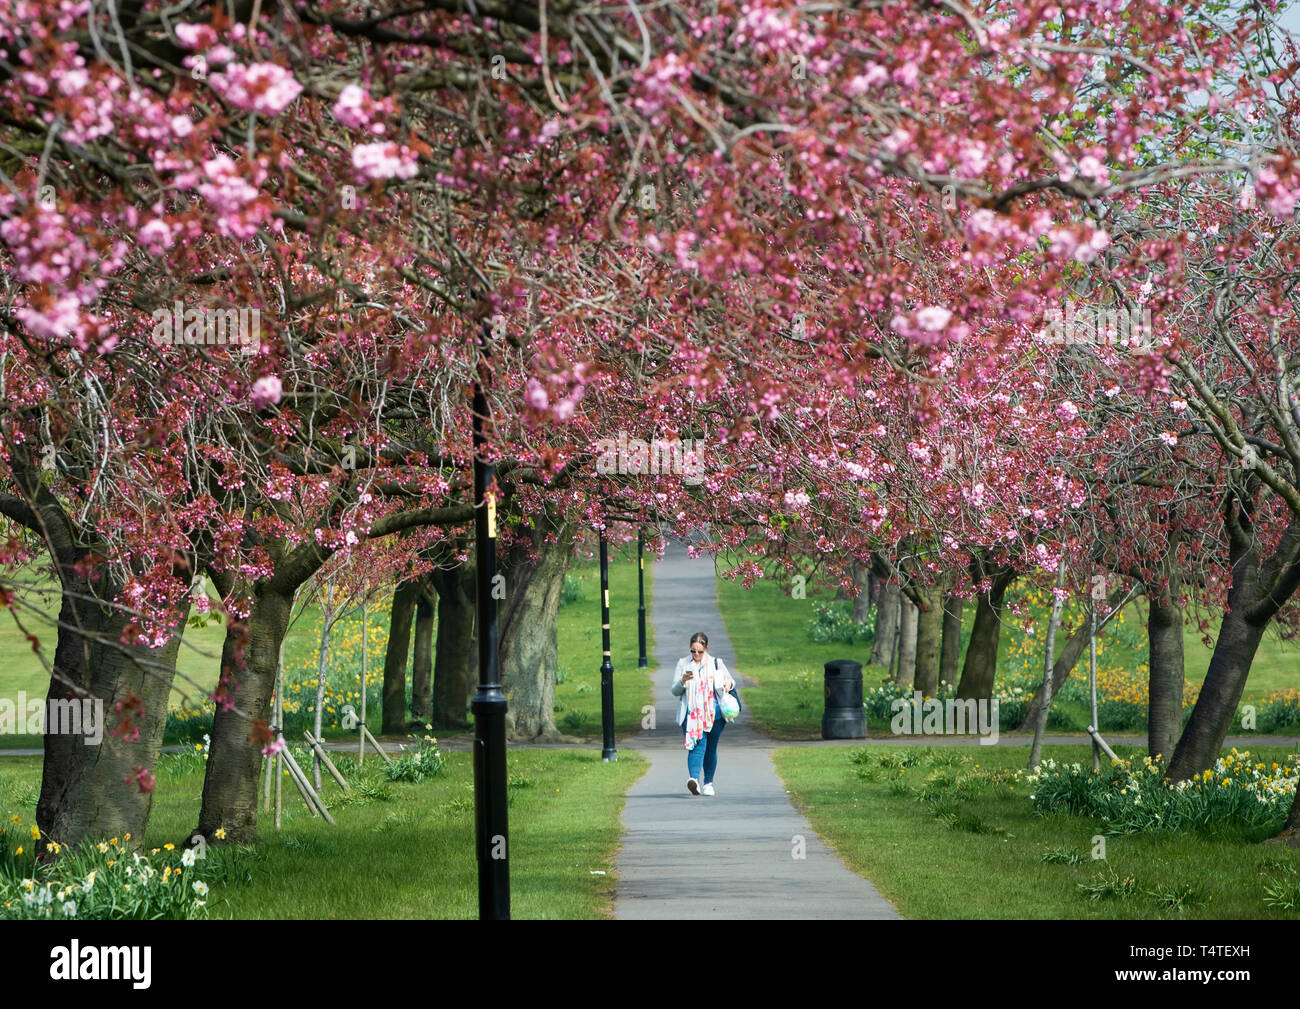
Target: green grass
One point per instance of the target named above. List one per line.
(579, 656)
(577, 698)
(411, 854)
(770, 631)
(942, 839)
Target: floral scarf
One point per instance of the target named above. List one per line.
(700, 706)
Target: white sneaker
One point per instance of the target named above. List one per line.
(692, 786)
(706, 790)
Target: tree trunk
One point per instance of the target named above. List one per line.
(322, 671)
(422, 660)
(929, 634)
(89, 792)
(1234, 651)
(887, 620)
(399, 647)
(862, 601)
(528, 644)
(452, 673)
(1047, 690)
(1165, 635)
(1290, 835)
(950, 652)
(980, 669)
(907, 642)
(1068, 659)
(230, 793)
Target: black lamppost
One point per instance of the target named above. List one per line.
(642, 661)
(606, 666)
(491, 828)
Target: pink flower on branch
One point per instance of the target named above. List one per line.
(266, 391)
(262, 87)
(385, 160)
(142, 778)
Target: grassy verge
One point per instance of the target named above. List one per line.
(953, 835)
(577, 695)
(771, 633)
(577, 700)
(403, 849)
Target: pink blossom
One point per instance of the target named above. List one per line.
(354, 107)
(907, 74)
(535, 396)
(262, 87)
(60, 319)
(1169, 438)
(1067, 411)
(385, 160)
(1092, 168)
(933, 319)
(273, 747)
(875, 75)
(196, 36)
(229, 193)
(266, 391)
(796, 498)
(155, 236)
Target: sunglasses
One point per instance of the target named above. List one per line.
(697, 651)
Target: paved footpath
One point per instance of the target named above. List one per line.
(732, 855)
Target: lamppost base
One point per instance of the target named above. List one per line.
(609, 756)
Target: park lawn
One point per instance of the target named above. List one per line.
(577, 696)
(989, 864)
(579, 651)
(410, 855)
(769, 630)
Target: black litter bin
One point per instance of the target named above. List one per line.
(844, 717)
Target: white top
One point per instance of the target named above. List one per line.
(714, 669)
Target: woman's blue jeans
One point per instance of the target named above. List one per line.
(702, 758)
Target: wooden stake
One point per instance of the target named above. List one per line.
(304, 791)
(361, 737)
(305, 785)
(322, 756)
(1098, 741)
(373, 742)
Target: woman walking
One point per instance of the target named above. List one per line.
(699, 679)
